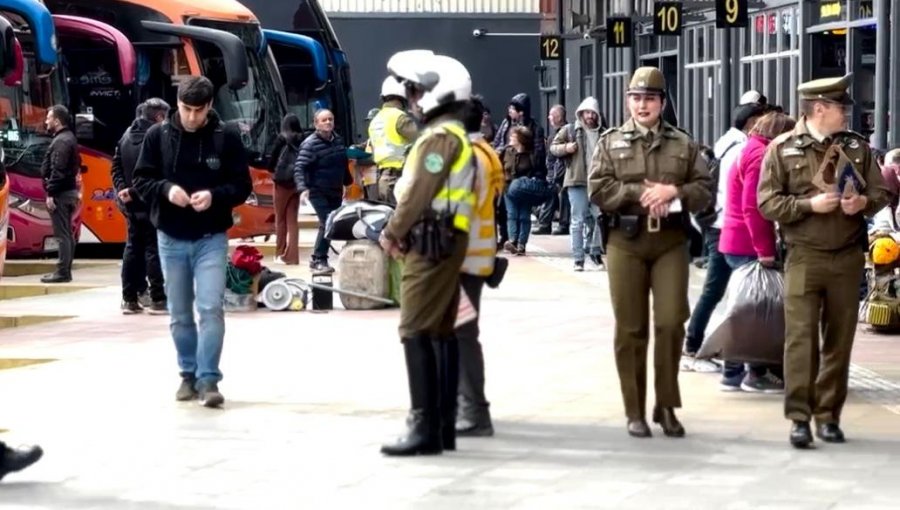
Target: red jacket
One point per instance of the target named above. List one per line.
(745, 231)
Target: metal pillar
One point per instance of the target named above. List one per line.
(853, 63)
(894, 78)
(882, 63)
(561, 64)
(725, 100)
(805, 66)
(628, 53)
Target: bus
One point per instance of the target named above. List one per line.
(10, 72)
(24, 139)
(172, 39)
(303, 60)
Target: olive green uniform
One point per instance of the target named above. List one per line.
(824, 265)
(642, 262)
(429, 291)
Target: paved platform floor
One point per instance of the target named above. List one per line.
(311, 396)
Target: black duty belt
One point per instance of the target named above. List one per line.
(633, 223)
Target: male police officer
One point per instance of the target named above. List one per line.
(390, 134)
(432, 220)
(646, 175)
(818, 182)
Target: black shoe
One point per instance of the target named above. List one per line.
(210, 396)
(520, 250)
(541, 231)
(639, 428)
(424, 421)
(422, 438)
(470, 427)
(665, 417)
(56, 278)
(159, 307)
(801, 435)
(322, 267)
(830, 433)
(131, 307)
(597, 260)
(560, 231)
(18, 459)
(186, 389)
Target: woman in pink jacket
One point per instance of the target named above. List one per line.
(748, 237)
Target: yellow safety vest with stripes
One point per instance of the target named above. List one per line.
(489, 184)
(457, 195)
(389, 146)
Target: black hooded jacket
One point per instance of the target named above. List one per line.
(523, 103)
(195, 161)
(125, 158)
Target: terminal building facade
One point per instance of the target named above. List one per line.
(784, 43)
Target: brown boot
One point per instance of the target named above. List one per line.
(665, 417)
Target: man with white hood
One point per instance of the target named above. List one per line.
(575, 144)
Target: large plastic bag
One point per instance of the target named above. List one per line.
(360, 219)
(753, 329)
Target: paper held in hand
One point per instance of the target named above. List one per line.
(675, 206)
(466, 311)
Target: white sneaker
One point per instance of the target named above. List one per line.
(278, 260)
(686, 364)
(705, 366)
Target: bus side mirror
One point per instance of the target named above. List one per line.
(11, 62)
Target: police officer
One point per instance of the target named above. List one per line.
(390, 134)
(431, 224)
(647, 175)
(805, 187)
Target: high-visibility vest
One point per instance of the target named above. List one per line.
(457, 194)
(388, 144)
(489, 184)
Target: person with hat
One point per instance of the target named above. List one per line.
(726, 153)
(646, 176)
(391, 132)
(819, 182)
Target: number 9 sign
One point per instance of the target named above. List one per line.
(731, 13)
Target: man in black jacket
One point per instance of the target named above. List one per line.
(140, 261)
(192, 171)
(60, 169)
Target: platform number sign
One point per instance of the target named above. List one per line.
(667, 18)
(731, 13)
(551, 47)
(618, 32)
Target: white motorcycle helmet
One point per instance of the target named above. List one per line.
(454, 84)
(390, 87)
(412, 68)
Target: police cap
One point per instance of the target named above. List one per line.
(647, 80)
(827, 89)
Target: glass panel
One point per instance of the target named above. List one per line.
(784, 83)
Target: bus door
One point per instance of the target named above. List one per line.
(11, 68)
(101, 66)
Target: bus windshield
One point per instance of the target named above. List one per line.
(256, 108)
(23, 134)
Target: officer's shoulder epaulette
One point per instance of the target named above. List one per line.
(608, 131)
(853, 134)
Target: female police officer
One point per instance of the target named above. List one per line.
(646, 175)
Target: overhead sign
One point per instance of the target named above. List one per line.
(732, 13)
(619, 32)
(667, 18)
(551, 47)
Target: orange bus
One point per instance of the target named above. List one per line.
(172, 39)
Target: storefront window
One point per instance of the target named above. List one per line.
(771, 56)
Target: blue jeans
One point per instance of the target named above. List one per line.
(194, 272)
(324, 204)
(585, 236)
(518, 222)
(718, 272)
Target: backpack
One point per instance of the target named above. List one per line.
(707, 217)
(284, 169)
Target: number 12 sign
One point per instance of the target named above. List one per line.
(731, 13)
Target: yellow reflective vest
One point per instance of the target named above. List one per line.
(388, 145)
(458, 193)
(489, 184)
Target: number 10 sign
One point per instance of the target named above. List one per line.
(731, 13)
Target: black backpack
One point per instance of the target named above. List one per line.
(284, 169)
(707, 216)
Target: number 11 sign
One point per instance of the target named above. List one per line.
(731, 13)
